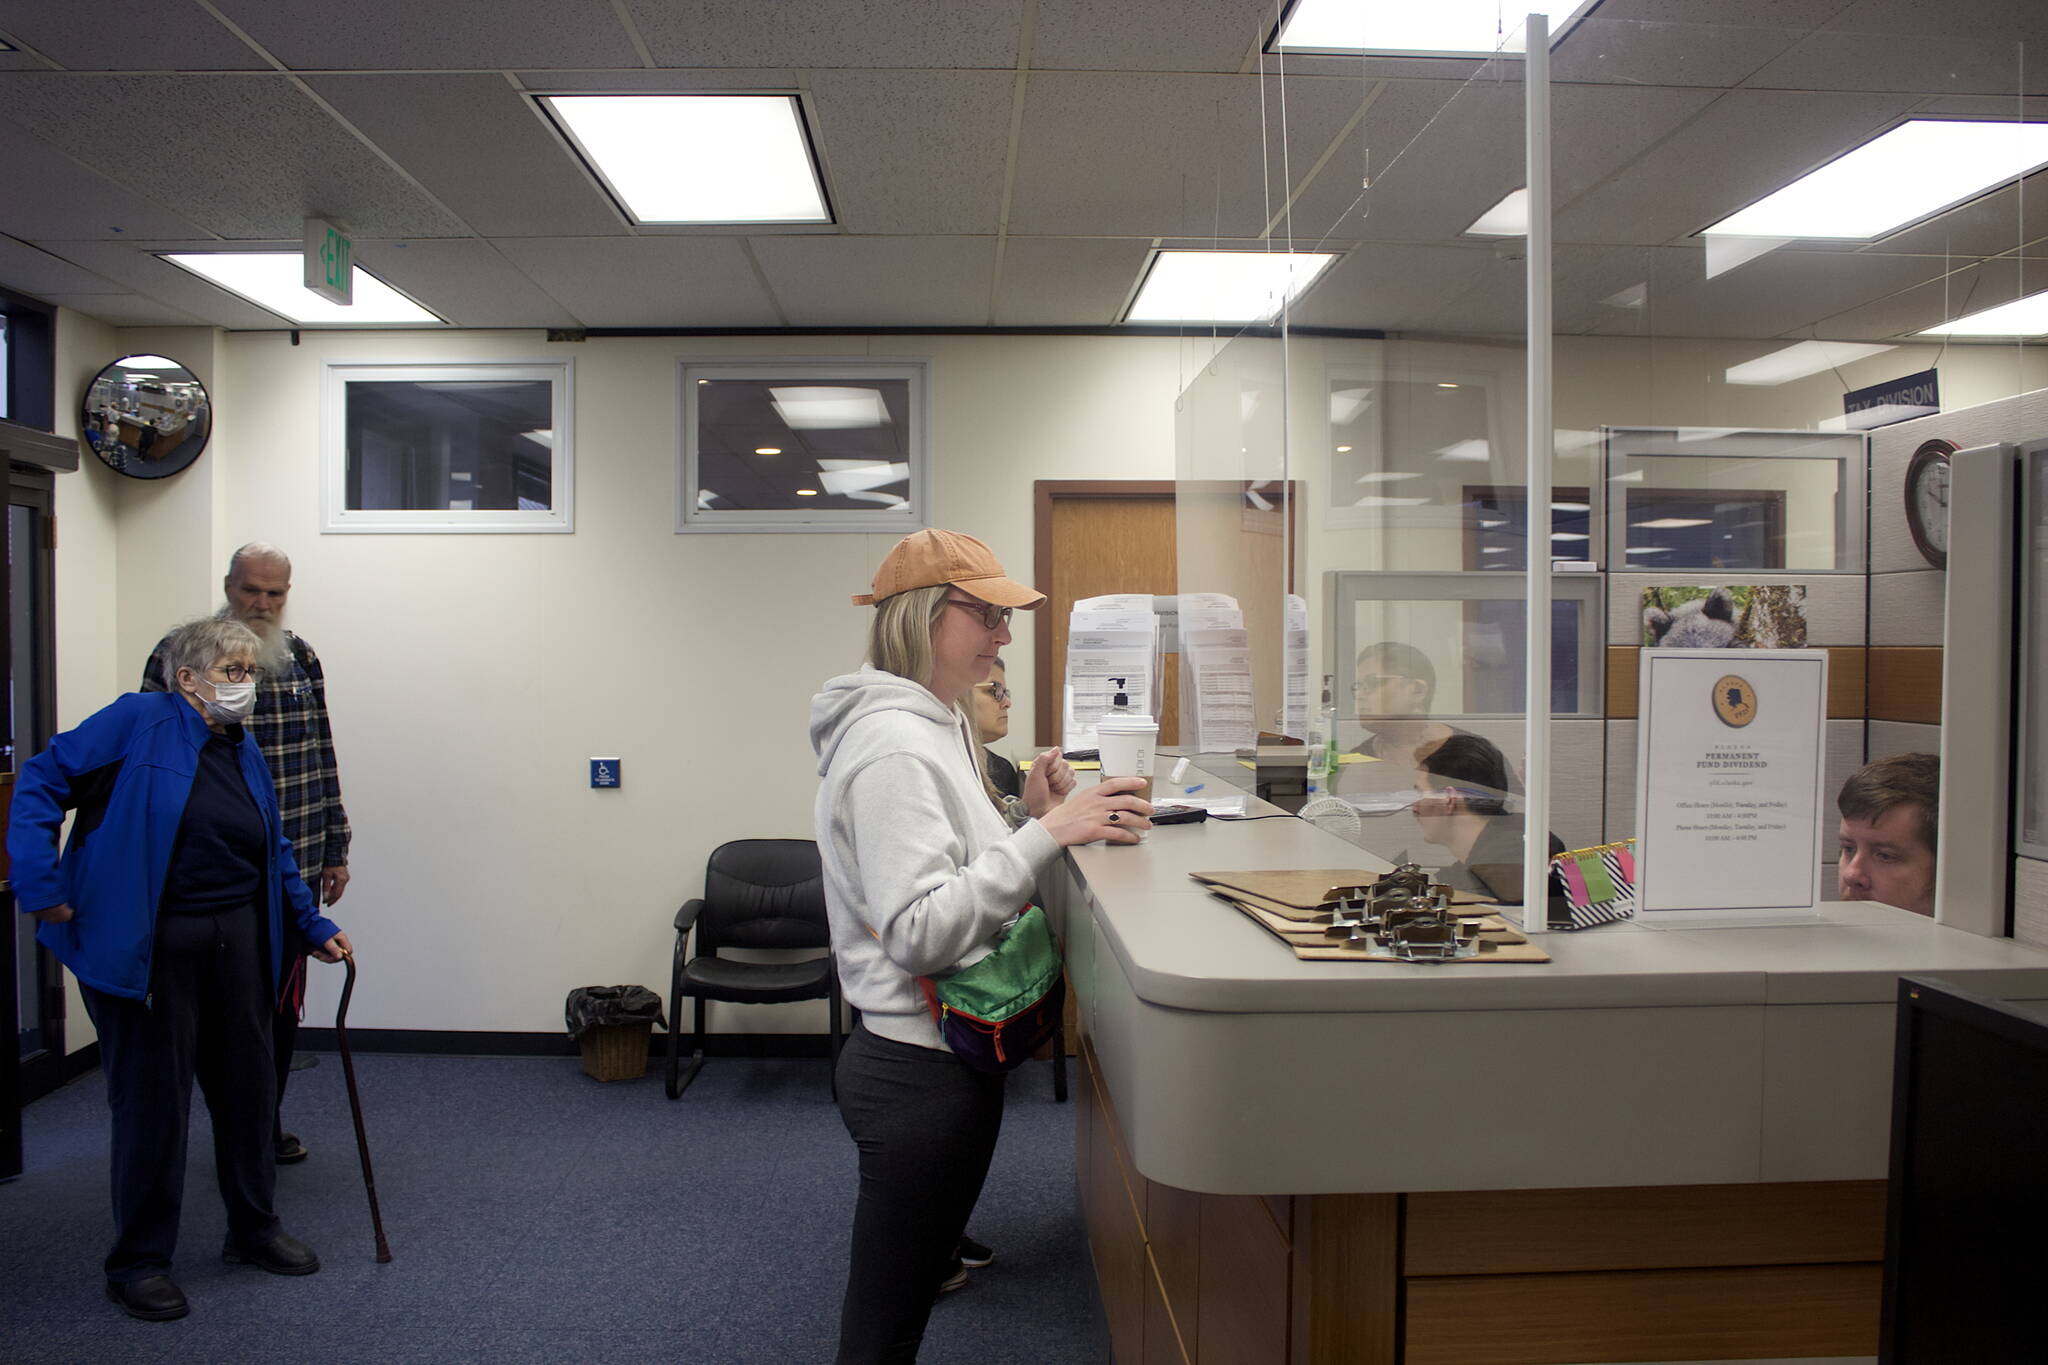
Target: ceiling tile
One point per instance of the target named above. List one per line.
(51, 195)
(274, 156)
(914, 151)
(1065, 282)
(135, 265)
(1743, 146)
(126, 310)
(1129, 156)
(468, 282)
(647, 281)
(1932, 302)
(405, 35)
(645, 82)
(35, 271)
(1148, 35)
(128, 35)
(481, 148)
(1782, 293)
(880, 281)
(1996, 222)
(1396, 287)
(829, 33)
(1948, 62)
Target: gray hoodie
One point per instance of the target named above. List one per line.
(921, 871)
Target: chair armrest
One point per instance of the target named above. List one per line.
(687, 916)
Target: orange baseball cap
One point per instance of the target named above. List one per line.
(925, 559)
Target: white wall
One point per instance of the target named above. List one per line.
(471, 677)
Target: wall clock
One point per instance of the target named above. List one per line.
(1927, 478)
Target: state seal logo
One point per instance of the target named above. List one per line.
(1734, 701)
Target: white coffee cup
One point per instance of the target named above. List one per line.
(1127, 743)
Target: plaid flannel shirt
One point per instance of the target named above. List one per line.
(290, 726)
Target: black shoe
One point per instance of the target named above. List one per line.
(290, 1151)
(974, 1255)
(281, 1255)
(153, 1298)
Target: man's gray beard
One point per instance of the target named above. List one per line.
(273, 647)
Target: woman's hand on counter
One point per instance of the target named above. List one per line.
(1049, 782)
(1109, 811)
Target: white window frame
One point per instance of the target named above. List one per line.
(336, 517)
(690, 519)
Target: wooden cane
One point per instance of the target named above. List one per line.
(355, 1104)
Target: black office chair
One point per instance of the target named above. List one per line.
(758, 893)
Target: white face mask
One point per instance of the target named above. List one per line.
(231, 702)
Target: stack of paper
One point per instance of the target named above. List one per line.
(1116, 636)
(1297, 667)
(1215, 675)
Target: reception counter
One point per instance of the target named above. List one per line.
(1665, 1144)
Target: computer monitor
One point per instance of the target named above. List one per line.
(1967, 1215)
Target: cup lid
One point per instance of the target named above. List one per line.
(1137, 722)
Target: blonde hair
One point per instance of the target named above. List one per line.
(900, 642)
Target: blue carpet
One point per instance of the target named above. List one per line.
(537, 1215)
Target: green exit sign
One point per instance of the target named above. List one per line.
(330, 262)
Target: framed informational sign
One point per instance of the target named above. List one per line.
(1730, 768)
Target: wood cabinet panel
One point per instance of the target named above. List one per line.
(1163, 1342)
(1347, 1267)
(1508, 1231)
(1721, 1314)
(1242, 1312)
(1846, 671)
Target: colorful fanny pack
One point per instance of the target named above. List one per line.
(995, 1013)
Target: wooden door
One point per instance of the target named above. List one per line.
(1095, 537)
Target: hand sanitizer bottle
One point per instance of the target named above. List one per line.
(1322, 745)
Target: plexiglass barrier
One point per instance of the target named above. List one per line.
(1741, 377)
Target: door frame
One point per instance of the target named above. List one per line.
(1044, 492)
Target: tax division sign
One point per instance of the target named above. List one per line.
(1730, 767)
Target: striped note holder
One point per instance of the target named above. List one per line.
(1599, 884)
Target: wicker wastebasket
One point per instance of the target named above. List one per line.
(616, 1052)
(612, 1024)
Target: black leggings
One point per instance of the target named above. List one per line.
(926, 1126)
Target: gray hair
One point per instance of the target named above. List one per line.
(259, 552)
(197, 645)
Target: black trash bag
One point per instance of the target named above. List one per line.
(589, 1006)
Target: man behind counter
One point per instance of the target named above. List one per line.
(1889, 809)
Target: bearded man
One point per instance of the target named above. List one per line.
(290, 726)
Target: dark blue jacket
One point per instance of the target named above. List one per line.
(127, 770)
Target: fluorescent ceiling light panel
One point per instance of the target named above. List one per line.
(1671, 523)
(828, 408)
(1798, 361)
(277, 280)
(1437, 28)
(698, 158)
(1508, 218)
(1224, 286)
(1917, 169)
(864, 478)
(2027, 317)
(1474, 449)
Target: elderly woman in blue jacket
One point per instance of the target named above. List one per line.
(169, 906)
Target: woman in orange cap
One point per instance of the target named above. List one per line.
(923, 871)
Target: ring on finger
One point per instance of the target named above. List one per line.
(1114, 817)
